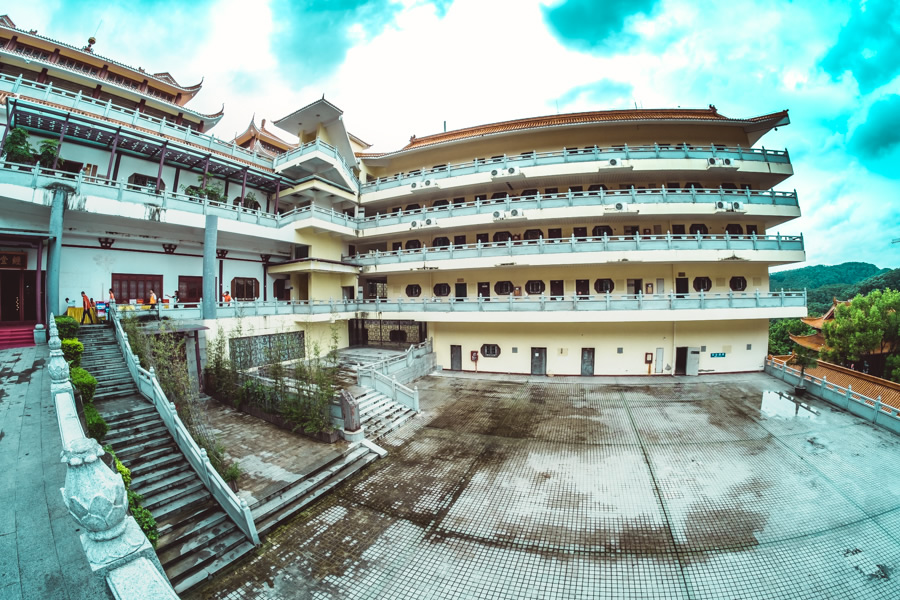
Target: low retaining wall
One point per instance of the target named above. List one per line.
(870, 409)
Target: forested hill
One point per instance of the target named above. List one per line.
(820, 275)
(823, 283)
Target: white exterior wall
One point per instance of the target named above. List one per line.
(564, 342)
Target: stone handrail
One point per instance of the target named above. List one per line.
(396, 363)
(871, 409)
(116, 548)
(148, 386)
(390, 387)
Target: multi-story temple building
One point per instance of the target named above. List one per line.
(607, 242)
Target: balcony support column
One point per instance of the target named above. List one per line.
(62, 134)
(277, 192)
(244, 187)
(112, 154)
(210, 239)
(162, 158)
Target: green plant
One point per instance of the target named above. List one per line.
(67, 327)
(232, 472)
(212, 191)
(96, 425)
(805, 359)
(146, 522)
(48, 153)
(72, 350)
(124, 471)
(16, 147)
(84, 382)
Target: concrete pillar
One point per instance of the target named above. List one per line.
(210, 239)
(55, 247)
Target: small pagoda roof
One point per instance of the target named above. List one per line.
(755, 127)
(819, 322)
(261, 133)
(813, 341)
(321, 112)
(87, 54)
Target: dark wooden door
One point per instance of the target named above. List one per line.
(538, 361)
(456, 358)
(587, 361)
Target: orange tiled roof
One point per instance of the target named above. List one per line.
(815, 341)
(819, 322)
(605, 116)
(867, 385)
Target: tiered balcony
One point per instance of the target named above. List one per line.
(594, 308)
(779, 206)
(772, 249)
(317, 158)
(76, 101)
(575, 161)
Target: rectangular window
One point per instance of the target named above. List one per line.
(554, 233)
(580, 233)
(128, 286)
(244, 288)
(482, 238)
(190, 288)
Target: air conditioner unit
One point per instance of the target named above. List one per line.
(720, 162)
(429, 222)
(614, 162)
(722, 205)
(498, 215)
(620, 206)
(424, 184)
(516, 213)
(738, 207)
(417, 224)
(504, 171)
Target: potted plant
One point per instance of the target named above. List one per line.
(805, 359)
(16, 148)
(48, 153)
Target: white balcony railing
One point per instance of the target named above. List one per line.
(573, 245)
(324, 148)
(577, 155)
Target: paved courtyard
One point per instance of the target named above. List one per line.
(718, 487)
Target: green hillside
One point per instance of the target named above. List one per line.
(820, 275)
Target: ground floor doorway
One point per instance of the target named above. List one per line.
(18, 296)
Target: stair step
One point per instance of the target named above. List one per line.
(146, 480)
(288, 509)
(302, 486)
(125, 436)
(174, 517)
(196, 543)
(138, 453)
(135, 423)
(173, 495)
(184, 582)
(387, 427)
(160, 462)
(197, 523)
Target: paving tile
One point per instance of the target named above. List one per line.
(529, 488)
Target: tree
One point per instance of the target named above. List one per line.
(869, 325)
(780, 331)
(805, 359)
(16, 147)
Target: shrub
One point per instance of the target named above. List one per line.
(84, 382)
(72, 350)
(97, 427)
(146, 522)
(67, 326)
(232, 473)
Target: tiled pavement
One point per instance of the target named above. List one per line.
(270, 457)
(689, 488)
(41, 557)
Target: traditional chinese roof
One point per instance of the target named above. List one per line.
(253, 134)
(87, 54)
(813, 341)
(755, 126)
(819, 322)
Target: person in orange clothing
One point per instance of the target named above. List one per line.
(226, 297)
(86, 309)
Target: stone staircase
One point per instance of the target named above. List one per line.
(380, 415)
(16, 336)
(103, 359)
(196, 537)
(318, 479)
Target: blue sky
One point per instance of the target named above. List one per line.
(403, 67)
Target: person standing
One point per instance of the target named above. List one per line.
(226, 297)
(86, 309)
(112, 297)
(152, 300)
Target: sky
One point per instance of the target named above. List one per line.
(399, 68)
